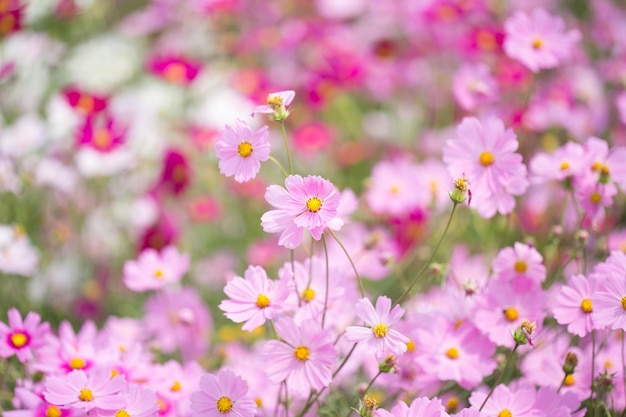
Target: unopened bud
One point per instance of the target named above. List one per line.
(582, 236)
(571, 361)
(388, 365)
(522, 334)
(557, 230)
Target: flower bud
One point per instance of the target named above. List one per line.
(571, 361)
(388, 365)
(367, 406)
(461, 191)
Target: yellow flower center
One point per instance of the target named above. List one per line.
(275, 102)
(595, 197)
(394, 190)
(410, 346)
(505, 413)
(85, 104)
(175, 72)
(623, 303)
(244, 149)
(520, 267)
(122, 413)
(564, 165)
(262, 301)
(511, 313)
(258, 401)
(537, 43)
(85, 395)
(314, 204)
(608, 365)
(569, 380)
(301, 353)
(176, 386)
(224, 405)
(53, 411)
(486, 158)
(102, 139)
(380, 330)
(452, 353)
(452, 405)
(586, 305)
(19, 339)
(158, 274)
(77, 363)
(308, 294)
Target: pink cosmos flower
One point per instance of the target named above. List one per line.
(307, 203)
(378, 334)
(485, 153)
(174, 69)
(566, 161)
(222, 395)
(152, 270)
(538, 40)
(521, 261)
(609, 303)
(505, 402)
(31, 404)
(594, 197)
(574, 305)
(241, 151)
(255, 299)
(420, 407)
(85, 390)
(394, 189)
(84, 102)
(304, 359)
(606, 165)
(175, 172)
(456, 353)
(134, 402)
(22, 338)
(473, 85)
(276, 107)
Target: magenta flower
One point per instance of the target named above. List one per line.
(255, 299)
(521, 261)
(22, 337)
(135, 402)
(574, 306)
(307, 203)
(85, 390)
(377, 333)
(276, 107)
(222, 395)
(485, 153)
(304, 358)
(152, 269)
(241, 151)
(538, 40)
(420, 407)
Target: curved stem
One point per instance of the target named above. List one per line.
(279, 165)
(356, 273)
(432, 256)
(282, 126)
(365, 392)
(499, 378)
(327, 280)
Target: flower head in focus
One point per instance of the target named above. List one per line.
(241, 151)
(276, 107)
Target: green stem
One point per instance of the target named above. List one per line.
(327, 281)
(282, 126)
(499, 377)
(356, 273)
(364, 392)
(432, 256)
(279, 165)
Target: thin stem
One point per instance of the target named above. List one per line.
(432, 256)
(356, 273)
(499, 377)
(593, 360)
(623, 364)
(279, 165)
(327, 282)
(365, 392)
(282, 126)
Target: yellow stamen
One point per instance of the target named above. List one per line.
(262, 301)
(308, 294)
(175, 72)
(314, 204)
(537, 43)
(380, 330)
(569, 380)
(595, 197)
(158, 274)
(564, 165)
(224, 405)
(122, 413)
(102, 139)
(486, 40)
(623, 300)
(77, 363)
(452, 353)
(176, 386)
(53, 411)
(394, 190)
(259, 402)
(244, 149)
(275, 102)
(486, 158)
(114, 373)
(85, 395)
(511, 313)
(19, 339)
(520, 267)
(505, 413)
(301, 353)
(410, 346)
(85, 104)
(452, 405)
(586, 305)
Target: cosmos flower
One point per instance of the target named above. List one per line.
(241, 151)
(276, 107)
(22, 338)
(152, 269)
(222, 395)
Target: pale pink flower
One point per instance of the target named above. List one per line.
(303, 359)
(518, 403)
(594, 197)
(222, 395)
(135, 402)
(276, 107)
(309, 203)
(566, 161)
(606, 165)
(85, 390)
(152, 269)
(609, 303)
(255, 298)
(538, 39)
(394, 188)
(378, 334)
(521, 261)
(574, 305)
(484, 152)
(420, 407)
(22, 338)
(473, 85)
(241, 151)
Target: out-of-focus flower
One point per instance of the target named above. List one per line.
(136, 401)
(538, 39)
(174, 69)
(17, 255)
(394, 188)
(311, 138)
(176, 172)
(474, 85)
(222, 395)
(420, 407)
(22, 338)
(102, 133)
(152, 270)
(241, 151)
(83, 102)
